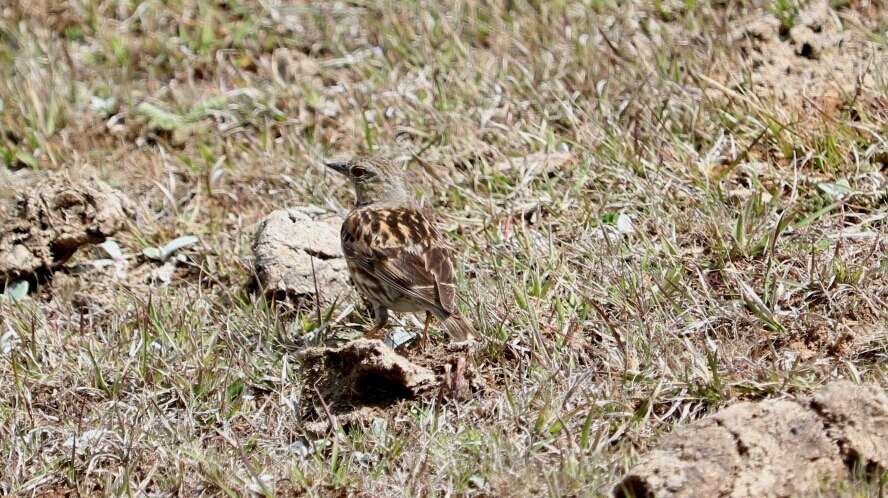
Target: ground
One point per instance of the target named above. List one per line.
(661, 209)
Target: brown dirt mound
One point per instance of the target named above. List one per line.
(358, 380)
(770, 448)
(295, 255)
(366, 372)
(52, 219)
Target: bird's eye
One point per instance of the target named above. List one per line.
(358, 172)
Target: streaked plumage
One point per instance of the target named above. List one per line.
(396, 257)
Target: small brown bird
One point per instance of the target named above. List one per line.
(396, 257)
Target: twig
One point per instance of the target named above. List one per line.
(317, 295)
(617, 335)
(334, 424)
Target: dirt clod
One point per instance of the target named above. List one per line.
(295, 255)
(51, 220)
(365, 372)
(362, 379)
(770, 448)
(856, 417)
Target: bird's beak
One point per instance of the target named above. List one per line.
(338, 166)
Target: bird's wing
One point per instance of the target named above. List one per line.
(402, 249)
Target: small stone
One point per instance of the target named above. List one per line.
(298, 256)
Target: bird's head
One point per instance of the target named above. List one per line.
(375, 181)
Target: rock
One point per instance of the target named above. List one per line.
(51, 220)
(769, 448)
(295, 255)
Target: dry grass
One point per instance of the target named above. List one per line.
(673, 240)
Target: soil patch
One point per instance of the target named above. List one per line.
(813, 61)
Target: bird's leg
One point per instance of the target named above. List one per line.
(380, 318)
(425, 329)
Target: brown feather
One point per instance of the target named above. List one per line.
(408, 255)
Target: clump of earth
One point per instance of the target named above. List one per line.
(51, 220)
(771, 448)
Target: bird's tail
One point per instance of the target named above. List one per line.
(459, 329)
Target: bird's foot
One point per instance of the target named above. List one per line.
(421, 343)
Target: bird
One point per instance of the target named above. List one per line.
(397, 259)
